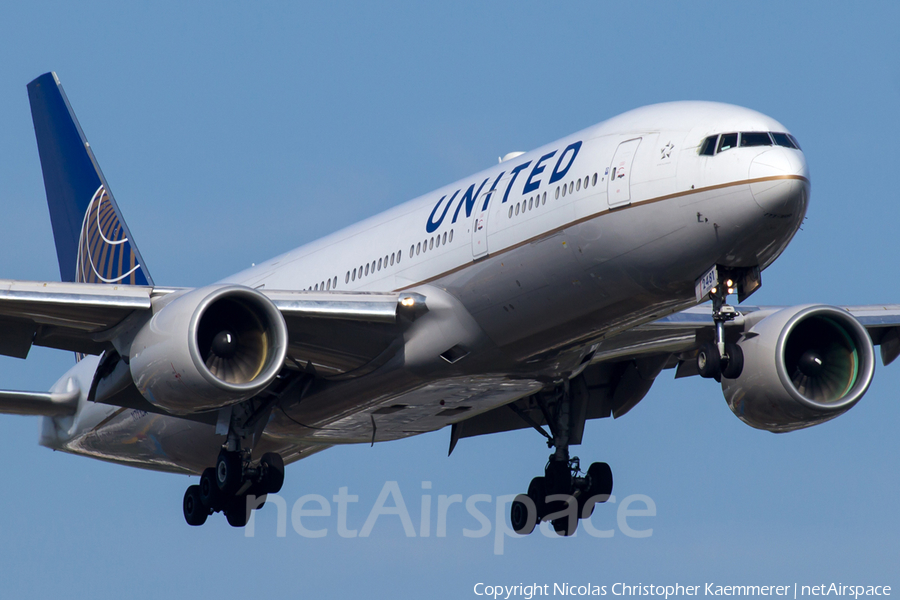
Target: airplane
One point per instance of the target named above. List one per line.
(546, 290)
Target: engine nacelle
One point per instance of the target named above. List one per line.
(208, 348)
(803, 365)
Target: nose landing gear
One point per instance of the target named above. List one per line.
(721, 358)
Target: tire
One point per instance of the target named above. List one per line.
(562, 526)
(537, 491)
(601, 480)
(273, 476)
(236, 512)
(600, 476)
(195, 512)
(229, 472)
(709, 363)
(735, 365)
(210, 494)
(519, 515)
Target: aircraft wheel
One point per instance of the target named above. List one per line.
(601, 480)
(537, 491)
(735, 362)
(563, 527)
(210, 494)
(273, 473)
(229, 472)
(236, 512)
(709, 363)
(195, 512)
(522, 522)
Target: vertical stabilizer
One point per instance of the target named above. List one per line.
(93, 243)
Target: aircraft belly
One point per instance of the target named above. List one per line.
(161, 443)
(429, 406)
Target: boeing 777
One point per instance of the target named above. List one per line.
(548, 289)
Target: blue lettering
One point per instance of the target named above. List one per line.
(468, 199)
(432, 226)
(491, 191)
(530, 185)
(513, 174)
(557, 174)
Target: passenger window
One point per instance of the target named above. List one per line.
(531, 203)
(353, 275)
(347, 278)
(392, 259)
(379, 264)
(570, 187)
(385, 261)
(451, 235)
(708, 147)
(517, 208)
(317, 287)
(594, 180)
(418, 248)
(585, 182)
(328, 285)
(564, 188)
(755, 138)
(557, 192)
(727, 141)
(544, 201)
(431, 244)
(400, 254)
(510, 212)
(437, 242)
(445, 237)
(578, 185)
(335, 282)
(367, 268)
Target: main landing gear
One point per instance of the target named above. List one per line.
(564, 494)
(225, 487)
(719, 359)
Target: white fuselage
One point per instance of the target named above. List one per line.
(550, 252)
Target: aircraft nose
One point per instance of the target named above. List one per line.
(780, 182)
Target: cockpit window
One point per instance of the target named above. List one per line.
(714, 144)
(727, 141)
(708, 147)
(785, 140)
(755, 139)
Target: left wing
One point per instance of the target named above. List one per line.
(622, 368)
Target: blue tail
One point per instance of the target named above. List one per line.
(93, 243)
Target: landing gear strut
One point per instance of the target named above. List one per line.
(226, 486)
(564, 494)
(721, 359)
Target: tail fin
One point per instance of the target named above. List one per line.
(93, 243)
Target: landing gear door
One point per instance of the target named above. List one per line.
(618, 186)
(479, 228)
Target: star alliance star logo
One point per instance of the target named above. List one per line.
(666, 151)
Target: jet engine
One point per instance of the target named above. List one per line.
(208, 348)
(803, 365)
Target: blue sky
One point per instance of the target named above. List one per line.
(231, 132)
